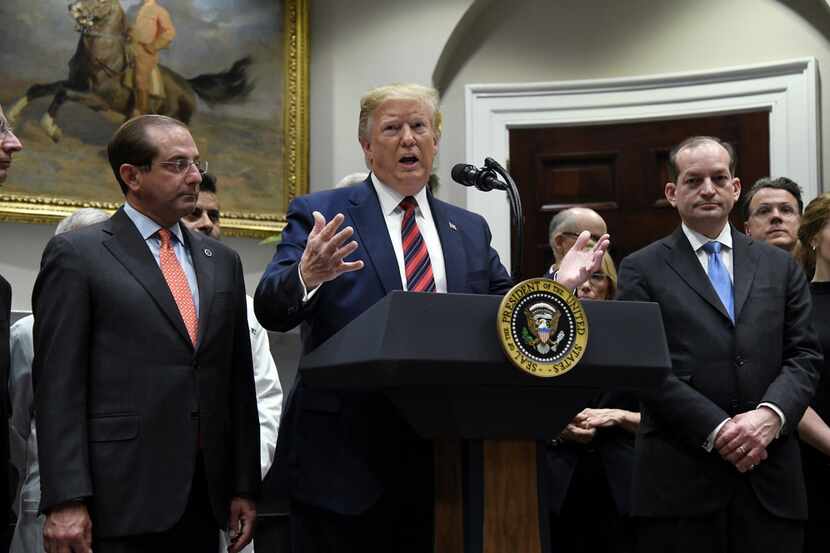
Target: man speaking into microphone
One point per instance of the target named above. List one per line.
(358, 477)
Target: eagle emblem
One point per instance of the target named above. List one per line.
(542, 322)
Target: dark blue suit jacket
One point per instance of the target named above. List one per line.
(328, 449)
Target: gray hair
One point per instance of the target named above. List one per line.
(84, 217)
(351, 179)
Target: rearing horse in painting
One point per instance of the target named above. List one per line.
(98, 68)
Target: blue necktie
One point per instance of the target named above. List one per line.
(719, 277)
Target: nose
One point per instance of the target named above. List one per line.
(408, 135)
(204, 224)
(584, 289)
(10, 142)
(708, 187)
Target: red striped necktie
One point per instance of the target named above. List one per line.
(416, 257)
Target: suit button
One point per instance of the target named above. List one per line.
(739, 361)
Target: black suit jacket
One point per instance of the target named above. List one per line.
(336, 451)
(123, 399)
(5, 317)
(615, 448)
(770, 354)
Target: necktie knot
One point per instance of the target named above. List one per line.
(712, 247)
(166, 238)
(408, 204)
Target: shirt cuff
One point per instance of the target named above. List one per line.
(778, 412)
(709, 444)
(306, 294)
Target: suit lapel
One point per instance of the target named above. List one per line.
(371, 232)
(744, 265)
(205, 277)
(123, 240)
(683, 260)
(451, 245)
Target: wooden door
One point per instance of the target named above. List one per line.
(620, 171)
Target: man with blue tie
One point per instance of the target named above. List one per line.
(718, 467)
(358, 476)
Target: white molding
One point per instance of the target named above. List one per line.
(788, 89)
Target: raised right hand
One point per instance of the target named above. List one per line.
(324, 252)
(68, 529)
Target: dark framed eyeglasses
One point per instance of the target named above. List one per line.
(575, 235)
(181, 166)
(6, 130)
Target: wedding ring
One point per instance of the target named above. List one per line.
(751, 467)
(742, 450)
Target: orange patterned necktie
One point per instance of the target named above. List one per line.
(177, 281)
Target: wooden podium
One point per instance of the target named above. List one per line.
(438, 359)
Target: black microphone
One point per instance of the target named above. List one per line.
(483, 179)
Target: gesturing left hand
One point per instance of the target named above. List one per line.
(578, 264)
(241, 523)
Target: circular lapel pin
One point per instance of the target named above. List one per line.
(208, 252)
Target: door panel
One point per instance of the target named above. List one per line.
(619, 170)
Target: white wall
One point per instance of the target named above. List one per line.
(358, 44)
(539, 40)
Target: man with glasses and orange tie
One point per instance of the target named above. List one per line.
(145, 404)
(9, 144)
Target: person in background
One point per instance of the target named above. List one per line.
(566, 226)
(772, 208)
(591, 463)
(152, 32)
(206, 218)
(9, 145)
(28, 532)
(813, 251)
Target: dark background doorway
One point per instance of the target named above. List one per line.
(619, 170)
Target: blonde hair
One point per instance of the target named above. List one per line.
(397, 91)
(816, 215)
(610, 271)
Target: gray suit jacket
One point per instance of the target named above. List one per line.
(123, 399)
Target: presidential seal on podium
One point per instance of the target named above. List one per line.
(542, 327)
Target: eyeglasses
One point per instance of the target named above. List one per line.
(181, 166)
(5, 131)
(575, 235)
(785, 210)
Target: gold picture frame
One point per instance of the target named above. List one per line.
(293, 161)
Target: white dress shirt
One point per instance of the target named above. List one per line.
(390, 201)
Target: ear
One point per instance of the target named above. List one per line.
(747, 230)
(671, 193)
(367, 150)
(736, 183)
(129, 174)
(557, 244)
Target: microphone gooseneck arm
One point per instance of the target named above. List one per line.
(517, 218)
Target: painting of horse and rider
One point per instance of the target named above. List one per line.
(72, 72)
